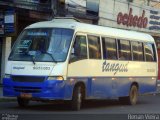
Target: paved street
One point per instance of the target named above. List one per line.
(147, 104)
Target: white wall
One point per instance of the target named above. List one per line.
(6, 48)
(109, 9)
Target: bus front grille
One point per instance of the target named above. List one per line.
(27, 89)
(28, 79)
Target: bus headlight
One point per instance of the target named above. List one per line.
(55, 78)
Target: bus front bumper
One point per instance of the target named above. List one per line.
(48, 89)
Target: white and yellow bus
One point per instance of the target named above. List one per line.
(64, 59)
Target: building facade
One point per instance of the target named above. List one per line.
(131, 16)
(15, 15)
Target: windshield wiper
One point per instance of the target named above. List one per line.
(33, 59)
(33, 55)
(53, 59)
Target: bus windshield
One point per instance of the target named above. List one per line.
(42, 44)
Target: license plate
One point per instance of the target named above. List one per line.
(26, 95)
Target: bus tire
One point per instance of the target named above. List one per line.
(77, 98)
(22, 102)
(133, 95)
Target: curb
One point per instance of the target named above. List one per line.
(151, 93)
(7, 99)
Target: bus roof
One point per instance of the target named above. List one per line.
(93, 29)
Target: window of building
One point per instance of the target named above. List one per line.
(137, 48)
(94, 47)
(109, 48)
(124, 50)
(149, 52)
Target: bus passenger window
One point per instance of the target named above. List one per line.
(137, 48)
(79, 50)
(109, 48)
(124, 50)
(149, 53)
(94, 47)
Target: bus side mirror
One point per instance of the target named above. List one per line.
(72, 52)
(72, 56)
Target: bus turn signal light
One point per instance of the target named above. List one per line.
(55, 78)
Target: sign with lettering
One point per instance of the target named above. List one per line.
(132, 17)
(9, 21)
(130, 20)
(114, 67)
(154, 20)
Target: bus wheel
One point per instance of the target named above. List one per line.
(77, 98)
(22, 102)
(133, 95)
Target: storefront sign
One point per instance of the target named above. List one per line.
(130, 20)
(154, 20)
(9, 21)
